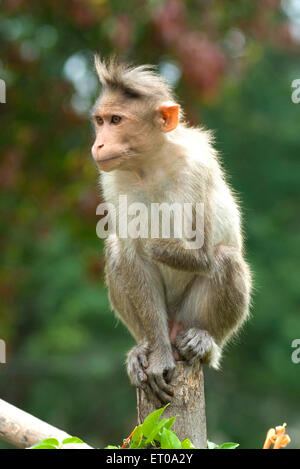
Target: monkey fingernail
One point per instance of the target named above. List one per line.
(144, 363)
(141, 377)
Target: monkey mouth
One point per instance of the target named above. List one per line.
(109, 159)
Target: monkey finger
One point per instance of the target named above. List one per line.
(143, 361)
(168, 374)
(163, 386)
(163, 397)
(151, 396)
(191, 345)
(137, 380)
(178, 339)
(193, 359)
(186, 355)
(176, 355)
(142, 378)
(136, 374)
(190, 354)
(186, 340)
(181, 340)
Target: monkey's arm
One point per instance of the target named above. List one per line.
(176, 253)
(136, 294)
(173, 253)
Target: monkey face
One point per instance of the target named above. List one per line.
(127, 132)
(118, 142)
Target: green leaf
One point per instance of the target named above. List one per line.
(137, 441)
(72, 439)
(170, 422)
(139, 445)
(187, 444)
(156, 430)
(169, 440)
(137, 434)
(151, 420)
(229, 446)
(112, 447)
(211, 445)
(51, 441)
(43, 446)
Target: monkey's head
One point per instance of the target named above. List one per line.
(132, 115)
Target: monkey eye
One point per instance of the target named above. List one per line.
(116, 119)
(99, 120)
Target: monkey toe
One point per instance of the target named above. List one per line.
(176, 354)
(159, 376)
(137, 362)
(195, 344)
(160, 390)
(156, 399)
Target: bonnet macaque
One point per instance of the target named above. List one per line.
(179, 302)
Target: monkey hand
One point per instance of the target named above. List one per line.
(159, 249)
(197, 344)
(159, 373)
(137, 362)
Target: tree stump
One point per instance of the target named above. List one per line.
(188, 402)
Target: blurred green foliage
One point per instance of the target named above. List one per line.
(232, 64)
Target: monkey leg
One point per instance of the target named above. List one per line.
(148, 366)
(137, 295)
(214, 307)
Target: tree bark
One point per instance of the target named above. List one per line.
(23, 430)
(188, 402)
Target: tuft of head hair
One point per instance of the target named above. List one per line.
(132, 82)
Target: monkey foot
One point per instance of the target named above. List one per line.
(151, 372)
(159, 373)
(137, 362)
(195, 344)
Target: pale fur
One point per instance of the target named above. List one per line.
(193, 160)
(156, 282)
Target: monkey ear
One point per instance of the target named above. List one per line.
(170, 115)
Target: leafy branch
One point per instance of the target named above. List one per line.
(154, 432)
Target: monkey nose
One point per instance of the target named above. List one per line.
(100, 146)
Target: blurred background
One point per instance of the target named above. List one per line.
(232, 65)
